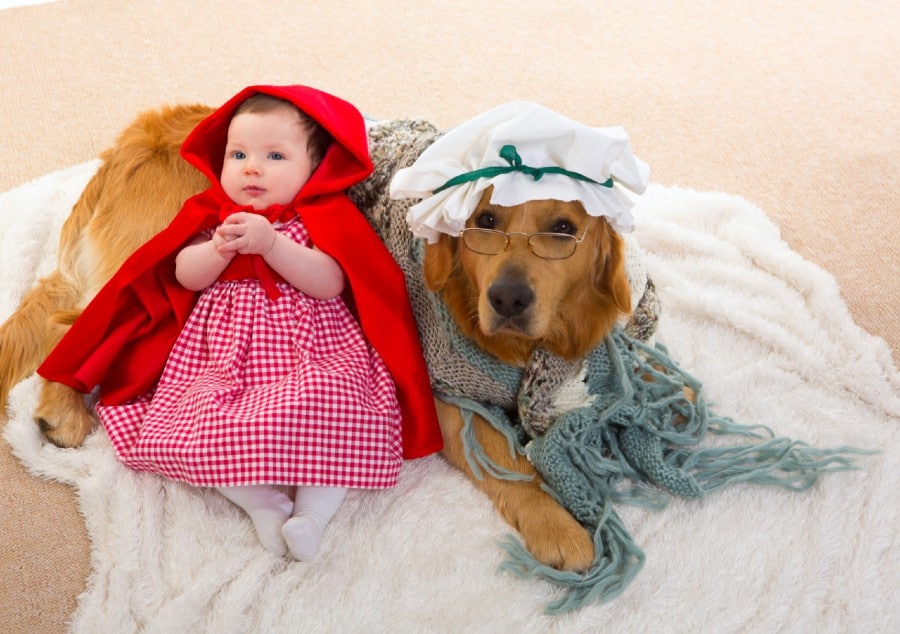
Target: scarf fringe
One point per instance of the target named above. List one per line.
(474, 452)
(636, 444)
(618, 561)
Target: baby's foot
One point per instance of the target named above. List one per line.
(303, 534)
(268, 520)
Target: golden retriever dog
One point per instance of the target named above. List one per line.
(509, 303)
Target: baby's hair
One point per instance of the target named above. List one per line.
(319, 138)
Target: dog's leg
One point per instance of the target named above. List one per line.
(550, 532)
(62, 416)
(25, 338)
(32, 331)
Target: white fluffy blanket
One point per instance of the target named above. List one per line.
(765, 330)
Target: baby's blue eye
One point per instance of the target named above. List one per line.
(238, 155)
(276, 156)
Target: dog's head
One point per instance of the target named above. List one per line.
(515, 301)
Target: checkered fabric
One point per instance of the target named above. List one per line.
(260, 391)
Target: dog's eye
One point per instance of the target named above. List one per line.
(485, 220)
(563, 226)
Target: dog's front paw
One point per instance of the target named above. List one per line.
(555, 538)
(62, 415)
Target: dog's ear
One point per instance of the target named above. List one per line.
(609, 274)
(439, 262)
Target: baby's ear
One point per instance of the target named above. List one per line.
(439, 262)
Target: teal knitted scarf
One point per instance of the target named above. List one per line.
(630, 436)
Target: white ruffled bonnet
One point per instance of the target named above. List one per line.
(526, 152)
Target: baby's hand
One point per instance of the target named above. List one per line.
(246, 233)
(225, 247)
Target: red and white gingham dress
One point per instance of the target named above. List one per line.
(260, 391)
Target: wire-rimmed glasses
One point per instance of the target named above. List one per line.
(549, 246)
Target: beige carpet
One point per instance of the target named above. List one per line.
(792, 107)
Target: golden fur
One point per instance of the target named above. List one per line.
(135, 193)
(566, 306)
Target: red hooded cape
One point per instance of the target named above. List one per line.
(122, 339)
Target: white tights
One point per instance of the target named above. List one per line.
(283, 525)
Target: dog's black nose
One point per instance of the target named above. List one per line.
(510, 299)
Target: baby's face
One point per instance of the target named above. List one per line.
(266, 158)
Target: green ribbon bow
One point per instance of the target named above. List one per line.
(511, 156)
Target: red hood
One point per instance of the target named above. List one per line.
(345, 163)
